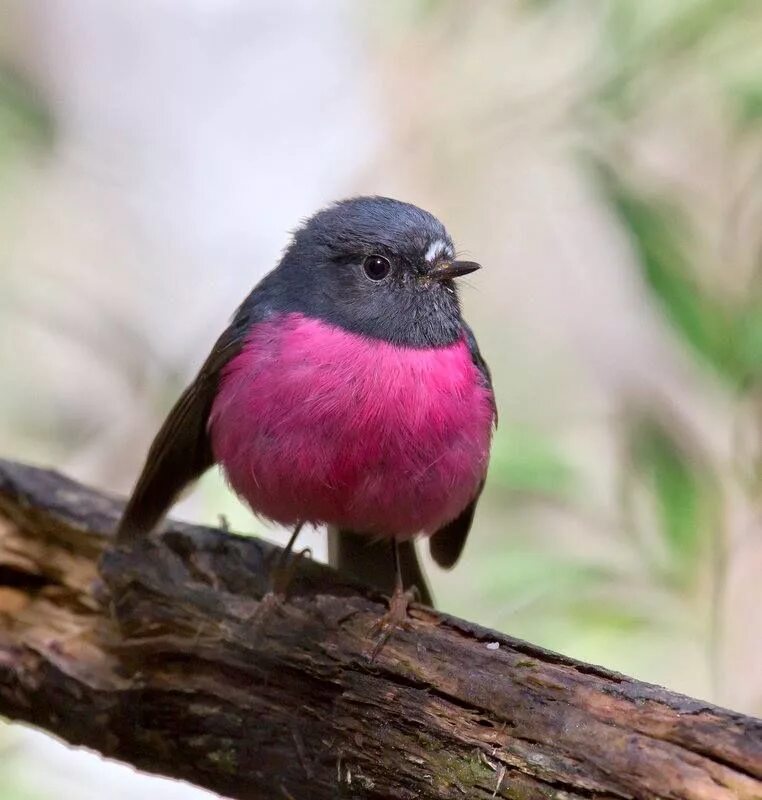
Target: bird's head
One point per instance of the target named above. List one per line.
(378, 267)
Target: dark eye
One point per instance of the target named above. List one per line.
(376, 267)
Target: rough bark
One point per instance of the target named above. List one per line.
(149, 656)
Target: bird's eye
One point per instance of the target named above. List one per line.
(377, 267)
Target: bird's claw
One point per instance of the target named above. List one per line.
(275, 599)
(283, 575)
(395, 618)
(270, 603)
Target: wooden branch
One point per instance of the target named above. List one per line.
(154, 661)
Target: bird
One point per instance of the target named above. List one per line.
(347, 391)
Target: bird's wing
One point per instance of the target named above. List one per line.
(478, 359)
(181, 451)
(447, 543)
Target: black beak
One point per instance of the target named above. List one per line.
(453, 269)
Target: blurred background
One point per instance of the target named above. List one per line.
(603, 160)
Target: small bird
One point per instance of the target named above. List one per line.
(347, 391)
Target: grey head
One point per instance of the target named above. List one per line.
(374, 266)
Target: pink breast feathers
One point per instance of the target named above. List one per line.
(314, 423)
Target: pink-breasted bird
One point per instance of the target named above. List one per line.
(347, 391)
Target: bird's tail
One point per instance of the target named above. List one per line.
(370, 561)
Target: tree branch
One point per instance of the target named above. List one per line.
(154, 661)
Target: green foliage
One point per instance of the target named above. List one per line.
(24, 121)
(748, 341)
(747, 102)
(573, 602)
(683, 498)
(524, 460)
(642, 40)
(613, 616)
(728, 337)
(725, 335)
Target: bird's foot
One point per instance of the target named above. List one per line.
(270, 603)
(283, 574)
(275, 598)
(394, 619)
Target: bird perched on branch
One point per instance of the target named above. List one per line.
(347, 391)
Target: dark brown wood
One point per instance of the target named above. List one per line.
(154, 661)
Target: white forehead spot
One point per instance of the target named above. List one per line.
(436, 249)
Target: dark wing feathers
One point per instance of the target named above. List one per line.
(447, 543)
(476, 355)
(181, 450)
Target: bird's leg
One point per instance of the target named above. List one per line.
(280, 578)
(396, 617)
(283, 572)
